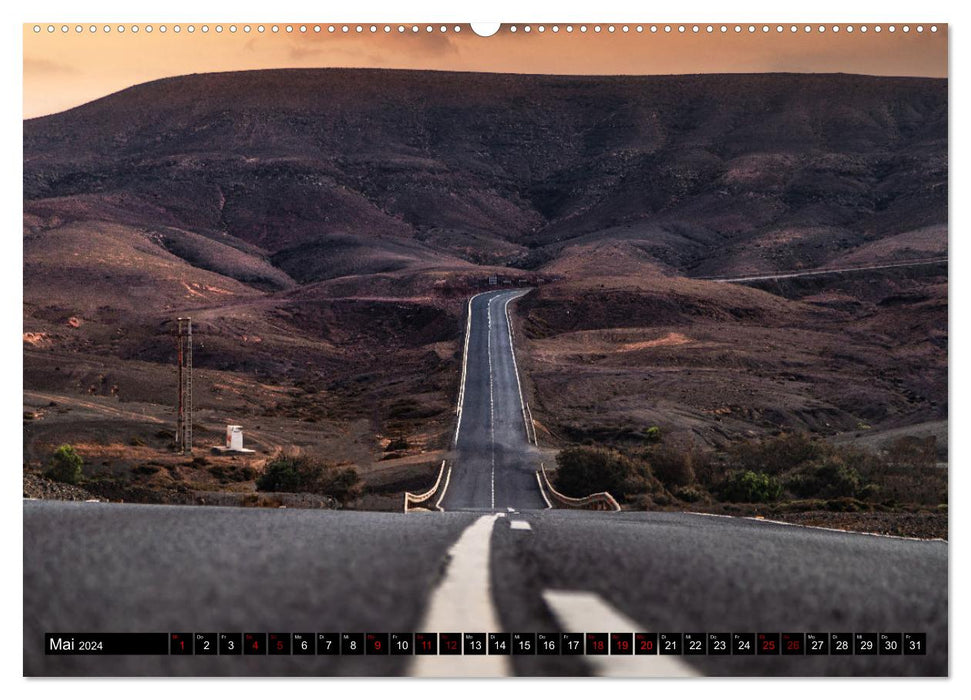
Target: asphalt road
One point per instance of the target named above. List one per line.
(139, 568)
(830, 271)
(494, 465)
(498, 561)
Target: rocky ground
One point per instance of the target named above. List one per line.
(37, 486)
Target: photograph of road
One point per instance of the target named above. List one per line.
(408, 333)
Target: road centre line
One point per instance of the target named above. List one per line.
(582, 612)
(463, 601)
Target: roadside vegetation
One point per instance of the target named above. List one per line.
(790, 471)
(305, 474)
(66, 465)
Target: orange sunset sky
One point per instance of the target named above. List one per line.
(65, 69)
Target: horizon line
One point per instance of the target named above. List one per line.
(483, 72)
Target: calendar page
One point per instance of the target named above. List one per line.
(467, 350)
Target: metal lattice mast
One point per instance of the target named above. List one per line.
(183, 437)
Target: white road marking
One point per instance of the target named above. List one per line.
(463, 602)
(492, 407)
(465, 363)
(542, 491)
(581, 612)
(448, 477)
(512, 351)
(519, 525)
(817, 527)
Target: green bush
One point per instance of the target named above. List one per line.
(65, 465)
(584, 470)
(652, 434)
(303, 474)
(830, 478)
(750, 487)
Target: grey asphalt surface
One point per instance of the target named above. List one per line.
(137, 568)
(94, 567)
(143, 568)
(494, 465)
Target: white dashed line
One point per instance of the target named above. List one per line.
(581, 612)
(519, 525)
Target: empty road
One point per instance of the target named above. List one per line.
(496, 561)
(494, 465)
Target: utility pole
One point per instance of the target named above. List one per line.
(183, 431)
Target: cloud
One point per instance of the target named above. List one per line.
(414, 45)
(42, 68)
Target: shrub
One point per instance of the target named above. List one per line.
(303, 474)
(652, 434)
(777, 454)
(65, 465)
(914, 452)
(690, 494)
(232, 472)
(584, 470)
(284, 474)
(830, 478)
(673, 467)
(750, 487)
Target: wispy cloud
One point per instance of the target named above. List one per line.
(42, 67)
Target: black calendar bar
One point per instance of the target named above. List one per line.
(105, 643)
(767, 644)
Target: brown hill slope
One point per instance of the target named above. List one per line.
(324, 227)
(700, 168)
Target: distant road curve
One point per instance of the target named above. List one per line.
(825, 271)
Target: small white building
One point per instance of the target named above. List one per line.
(234, 437)
(234, 442)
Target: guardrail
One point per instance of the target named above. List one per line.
(414, 500)
(595, 501)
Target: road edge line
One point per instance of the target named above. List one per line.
(817, 527)
(448, 477)
(515, 364)
(542, 491)
(465, 362)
